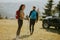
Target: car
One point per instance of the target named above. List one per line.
(51, 21)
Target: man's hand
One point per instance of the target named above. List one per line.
(28, 19)
(36, 21)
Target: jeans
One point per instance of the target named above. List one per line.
(20, 23)
(32, 23)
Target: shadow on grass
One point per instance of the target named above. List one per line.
(22, 37)
(53, 30)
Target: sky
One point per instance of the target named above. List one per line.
(24, 0)
(9, 7)
(17, 0)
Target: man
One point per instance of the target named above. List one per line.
(33, 18)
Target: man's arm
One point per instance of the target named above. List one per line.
(30, 13)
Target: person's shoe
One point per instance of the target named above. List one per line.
(31, 33)
(17, 37)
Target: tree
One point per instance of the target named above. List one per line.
(58, 8)
(6, 17)
(48, 8)
(0, 16)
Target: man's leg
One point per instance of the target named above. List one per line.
(32, 29)
(30, 26)
(33, 26)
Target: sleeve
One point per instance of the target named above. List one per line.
(30, 14)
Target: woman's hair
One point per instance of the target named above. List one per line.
(21, 7)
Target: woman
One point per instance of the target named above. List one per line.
(20, 19)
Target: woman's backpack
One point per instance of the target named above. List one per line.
(17, 14)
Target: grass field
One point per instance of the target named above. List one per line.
(8, 30)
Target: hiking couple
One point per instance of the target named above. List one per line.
(20, 16)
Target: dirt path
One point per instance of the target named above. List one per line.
(8, 31)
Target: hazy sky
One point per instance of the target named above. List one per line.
(24, 0)
(10, 7)
(17, 0)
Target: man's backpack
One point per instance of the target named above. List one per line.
(17, 14)
(33, 15)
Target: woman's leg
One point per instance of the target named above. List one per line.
(20, 22)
